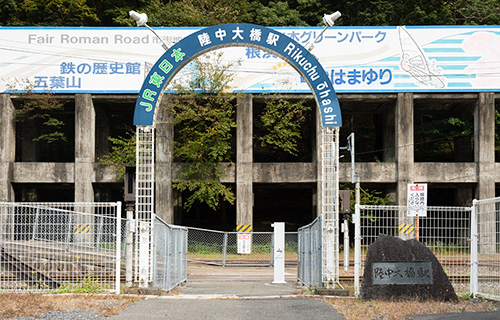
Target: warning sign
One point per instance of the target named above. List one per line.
(244, 243)
(244, 238)
(417, 200)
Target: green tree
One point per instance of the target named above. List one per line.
(54, 13)
(395, 12)
(8, 11)
(204, 118)
(198, 12)
(277, 13)
(123, 150)
(473, 12)
(42, 109)
(281, 123)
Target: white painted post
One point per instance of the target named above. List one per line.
(357, 248)
(129, 245)
(143, 254)
(474, 250)
(279, 252)
(118, 246)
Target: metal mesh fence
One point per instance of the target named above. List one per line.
(485, 275)
(221, 248)
(329, 204)
(49, 247)
(309, 266)
(445, 231)
(170, 255)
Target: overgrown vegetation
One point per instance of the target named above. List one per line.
(203, 120)
(122, 153)
(41, 109)
(281, 123)
(263, 12)
(34, 305)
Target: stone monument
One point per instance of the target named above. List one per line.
(407, 270)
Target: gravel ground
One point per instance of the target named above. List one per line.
(66, 315)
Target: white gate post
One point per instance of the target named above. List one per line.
(474, 249)
(118, 246)
(279, 252)
(357, 248)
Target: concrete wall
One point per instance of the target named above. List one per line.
(399, 170)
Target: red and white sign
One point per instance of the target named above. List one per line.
(417, 200)
(244, 243)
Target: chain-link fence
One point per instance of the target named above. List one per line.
(309, 266)
(169, 255)
(221, 248)
(445, 231)
(60, 246)
(485, 235)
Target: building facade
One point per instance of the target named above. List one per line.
(26, 176)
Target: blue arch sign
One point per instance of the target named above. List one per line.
(233, 35)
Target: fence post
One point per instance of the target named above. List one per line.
(129, 244)
(118, 245)
(224, 249)
(357, 248)
(35, 227)
(474, 249)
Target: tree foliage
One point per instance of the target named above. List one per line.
(281, 122)
(204, 118)
(42, 110)
(263, 12)
(123, 150)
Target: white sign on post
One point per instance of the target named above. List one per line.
(244, 243)
(417, 200)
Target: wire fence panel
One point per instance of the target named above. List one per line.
(309, 261)
(485, 274)
(445, 231)
(50, 247)
(170, 255)
(221, 248)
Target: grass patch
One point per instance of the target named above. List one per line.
(353, 309)
(35, 304)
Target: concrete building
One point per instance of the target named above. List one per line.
(29, 174)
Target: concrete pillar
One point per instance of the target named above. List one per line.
(163, 168)
(404, 145)
(7, 147)
(484, 156)
(404, 152)
(244, 160)
(84, 162)
(484, 145)
(84, 147)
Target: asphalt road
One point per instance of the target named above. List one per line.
(237, 309)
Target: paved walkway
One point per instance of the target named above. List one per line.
(239, 293)
(247, 293)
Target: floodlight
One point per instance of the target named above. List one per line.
(328, 19)
(142, 21)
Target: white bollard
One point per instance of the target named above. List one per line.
(279, 252)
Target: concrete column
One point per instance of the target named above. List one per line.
(163, 168)
(7, 147)
(484, 145)
(484, 156)
(404, 152)
(84, 147)
(244, 160)
(404, 145)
